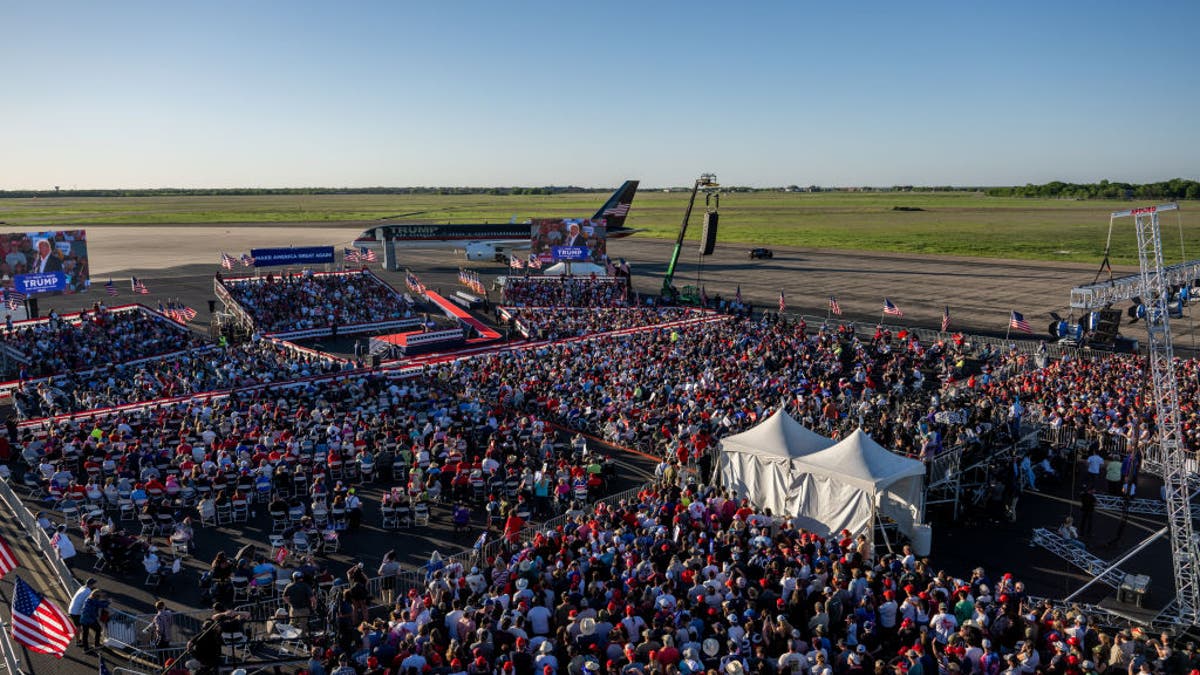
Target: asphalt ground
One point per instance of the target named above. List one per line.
(179, 262)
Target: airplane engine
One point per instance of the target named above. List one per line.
(481, 251)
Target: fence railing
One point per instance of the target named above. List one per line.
(12, 663)
(39, 537)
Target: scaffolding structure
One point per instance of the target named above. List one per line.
(1167, 456)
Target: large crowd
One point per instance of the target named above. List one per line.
(685, 579)
(302, 301)
(535, 291)
(681, 579)
(91, 338)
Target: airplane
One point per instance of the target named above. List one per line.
(487, 241)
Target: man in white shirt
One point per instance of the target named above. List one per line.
(1094, 464)
(79, 599)
(539, 619)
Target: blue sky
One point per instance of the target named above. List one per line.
(223, 94)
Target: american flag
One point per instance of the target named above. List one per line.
(8, 561)
(515, 263)
(834, 306)
(946, 318)
(367, 255)
(37, 623)
(13, 298)
(227, 261)
(139, 286)
(1017, 320)
(180, 313)
(110, 288)
(890, 309)
(618, 210)
(782, 303)
(535, 262)
(247, 260)
(738, 296)
(351, 255)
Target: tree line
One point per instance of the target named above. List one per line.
(1176, 188)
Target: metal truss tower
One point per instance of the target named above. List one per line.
(1171, 455)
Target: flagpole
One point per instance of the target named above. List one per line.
(1009, 328)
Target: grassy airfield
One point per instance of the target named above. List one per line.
(955, 223)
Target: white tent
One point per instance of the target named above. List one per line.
(759, 462)
(576, 269)
(825, 486)
(845, 485)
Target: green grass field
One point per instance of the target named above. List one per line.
(948, 223)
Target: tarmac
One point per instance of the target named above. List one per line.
(178, 262)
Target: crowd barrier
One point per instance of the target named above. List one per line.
(40, 539)
(234, 308)
(11, 662)
(397, 324)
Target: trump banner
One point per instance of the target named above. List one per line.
(51, 262)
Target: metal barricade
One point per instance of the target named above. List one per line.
(66, 580)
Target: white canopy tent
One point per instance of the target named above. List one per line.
(578, 269)
(758, 463)
(848, 484)
(824, 486)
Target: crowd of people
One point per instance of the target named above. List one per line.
(556, 323)
(708, 379)
(193, 372)
(91, 338)
(681, 579)
(301, 301)
(685, 579)
(1108, 397)
(534, 291)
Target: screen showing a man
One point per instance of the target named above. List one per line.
(51, 263)
(47, 258)
(575, 239)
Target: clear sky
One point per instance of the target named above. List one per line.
(231, 94)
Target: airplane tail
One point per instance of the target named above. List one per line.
(616, 208)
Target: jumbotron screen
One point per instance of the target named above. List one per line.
(50, 262)
(572, 239)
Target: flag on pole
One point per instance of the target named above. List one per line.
(139, 286)
(535, 262)
(738, 295)
(515, 263)
(110, 288)
(367, 255)
(37, 623)
(946, 318)
(227, 261)
(350, 255)
(890, 309)
(1017, 321)
(8, 561)
(247, 260)
(782, 303)
(834, 307)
